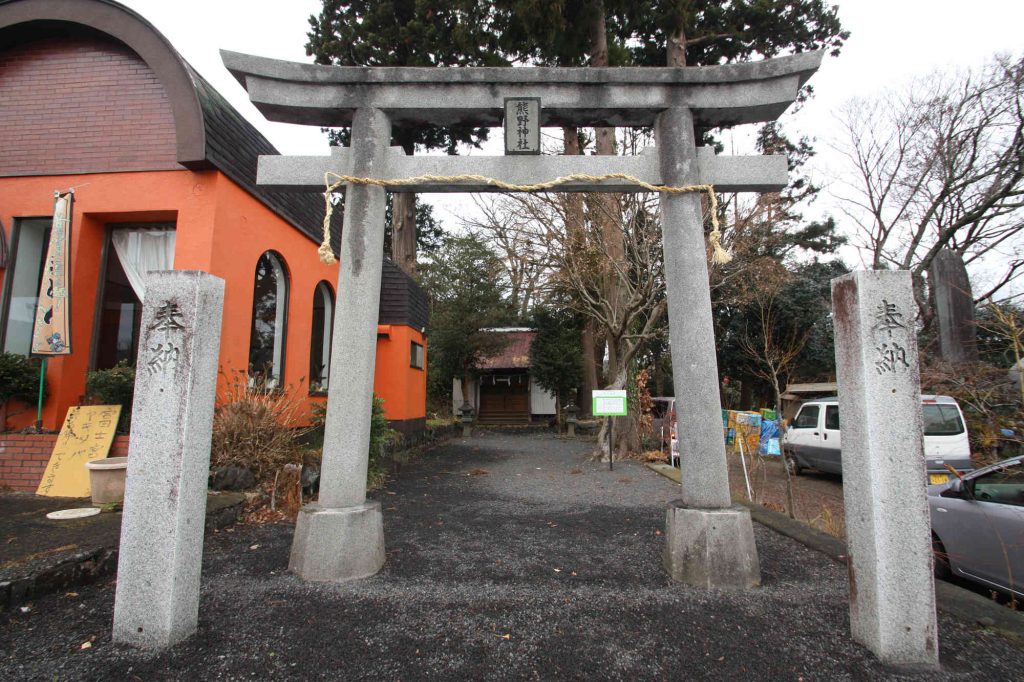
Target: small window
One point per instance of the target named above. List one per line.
(269, 310)
(24, 274)
(1003, 486)
(832, 417)
(416, 355)
(320, 338)
(941, 420)
(807, 419)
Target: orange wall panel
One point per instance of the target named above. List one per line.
(403, 387)
(221, 229)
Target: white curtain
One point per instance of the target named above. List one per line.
(141, 251)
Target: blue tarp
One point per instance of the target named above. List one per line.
(769, 438)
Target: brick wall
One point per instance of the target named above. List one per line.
(81, 104)
(23, 457)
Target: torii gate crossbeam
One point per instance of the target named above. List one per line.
(708, 541)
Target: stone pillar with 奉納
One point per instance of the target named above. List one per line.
(888, 532)
(341, 536)
(709, 542)
(161, 551)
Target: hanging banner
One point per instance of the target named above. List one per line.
(51, 334)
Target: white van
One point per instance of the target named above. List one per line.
(812, 440)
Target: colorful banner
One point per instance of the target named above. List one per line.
(51, 334)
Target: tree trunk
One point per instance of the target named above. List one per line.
(605, 204)
(403, 231)
(659, 375)
(589, 367)
(574, 219)
(676, 47)
(627, 433)
(746, 394)
(403, 217)
(465, 388)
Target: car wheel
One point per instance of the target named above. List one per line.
(792, 467)
(942, 567)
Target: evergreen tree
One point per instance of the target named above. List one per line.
(463, 280)
(556, 356)
(709, 32)
(407, 33)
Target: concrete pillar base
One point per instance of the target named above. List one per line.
(337, 545)
(711, 548)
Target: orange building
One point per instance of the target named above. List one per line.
(163, 169)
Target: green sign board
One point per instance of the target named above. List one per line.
(609, 403)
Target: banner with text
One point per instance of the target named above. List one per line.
(51, 334)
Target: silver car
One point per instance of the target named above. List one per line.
(978, 526)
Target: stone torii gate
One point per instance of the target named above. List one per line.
(709, 542)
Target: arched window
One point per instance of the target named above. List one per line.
(269, 315)
(320, 337)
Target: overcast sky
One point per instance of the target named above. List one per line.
(891, 41)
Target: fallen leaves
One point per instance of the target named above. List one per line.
(479, 472)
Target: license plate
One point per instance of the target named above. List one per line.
(936, 479)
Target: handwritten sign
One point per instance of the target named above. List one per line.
(609, 403)
(522, 125)
(87, 434)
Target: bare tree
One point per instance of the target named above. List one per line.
(526, 259)
(939, 164)
(772, 352)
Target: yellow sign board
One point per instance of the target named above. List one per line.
(87, 434)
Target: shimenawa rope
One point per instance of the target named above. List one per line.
(718, 254)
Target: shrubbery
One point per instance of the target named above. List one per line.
(380, 435)
(19, 380)
(114, 386)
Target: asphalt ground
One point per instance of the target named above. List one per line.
(509, 557)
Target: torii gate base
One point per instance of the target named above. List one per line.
(711, 547)
(336, 545)
(709, 542)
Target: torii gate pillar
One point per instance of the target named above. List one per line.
(341, 537)
(708, 541)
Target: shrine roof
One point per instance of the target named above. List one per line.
(515, 354)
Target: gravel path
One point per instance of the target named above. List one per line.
(509, 557)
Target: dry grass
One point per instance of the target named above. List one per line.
(256, 430)
(827, 522)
